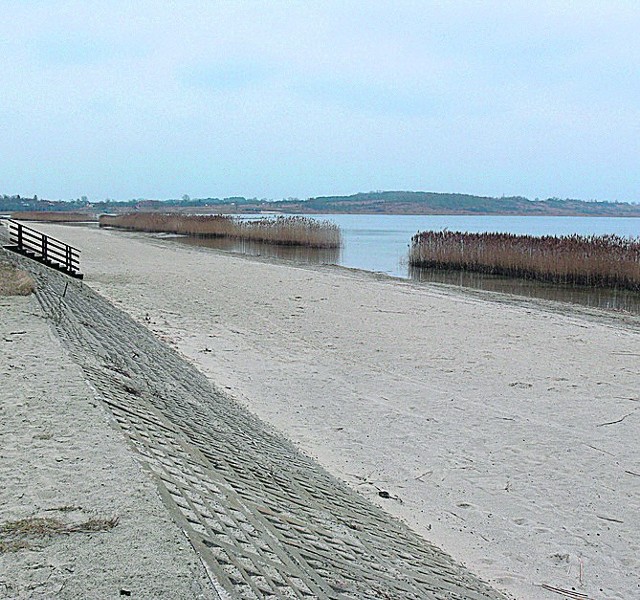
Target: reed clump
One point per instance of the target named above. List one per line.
(287, 231)
(597, 261)
(53, 216)
(292, 231)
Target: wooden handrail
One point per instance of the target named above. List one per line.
(27, 229)
(43, 248)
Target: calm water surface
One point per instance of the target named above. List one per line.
(380, 243)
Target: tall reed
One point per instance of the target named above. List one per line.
(597, 261)
(58, 216)
(288, 231)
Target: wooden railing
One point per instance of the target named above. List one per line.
(43, 248)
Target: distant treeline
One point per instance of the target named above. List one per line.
(418, 203)
(21, 203)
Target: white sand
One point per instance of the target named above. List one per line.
(61, 458)
(487, 420)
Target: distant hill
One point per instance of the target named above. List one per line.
(425, 203)
(428, 203)
(390, 203)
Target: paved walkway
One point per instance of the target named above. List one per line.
(267, 521)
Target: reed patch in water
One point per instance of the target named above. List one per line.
(596, 261)
(287, 231)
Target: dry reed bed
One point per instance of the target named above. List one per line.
(287, 231)
(53, 216)
(597, 261)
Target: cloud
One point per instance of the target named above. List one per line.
(222, 76)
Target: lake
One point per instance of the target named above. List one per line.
(380, 243)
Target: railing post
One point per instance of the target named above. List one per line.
(31, 242)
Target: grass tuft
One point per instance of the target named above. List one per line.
(21, 534)
(13, 546)
(14, 282)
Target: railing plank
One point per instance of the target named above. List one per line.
(49, 250)
(26, 230)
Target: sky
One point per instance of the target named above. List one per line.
(275, 99)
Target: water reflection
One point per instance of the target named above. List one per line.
(302, 254)
(612, 299)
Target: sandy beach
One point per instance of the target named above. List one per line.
(63, 461)
(503, 431)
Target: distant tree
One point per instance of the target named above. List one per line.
(186, 198)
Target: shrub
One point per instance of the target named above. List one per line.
(14, 282)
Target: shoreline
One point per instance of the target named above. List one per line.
(615, 317)
(384, 380)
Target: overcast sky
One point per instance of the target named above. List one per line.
(274, 99)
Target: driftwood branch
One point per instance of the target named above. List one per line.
(566, 593)
(617, 420)
(609, 519)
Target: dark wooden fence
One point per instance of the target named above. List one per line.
(43, 248)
